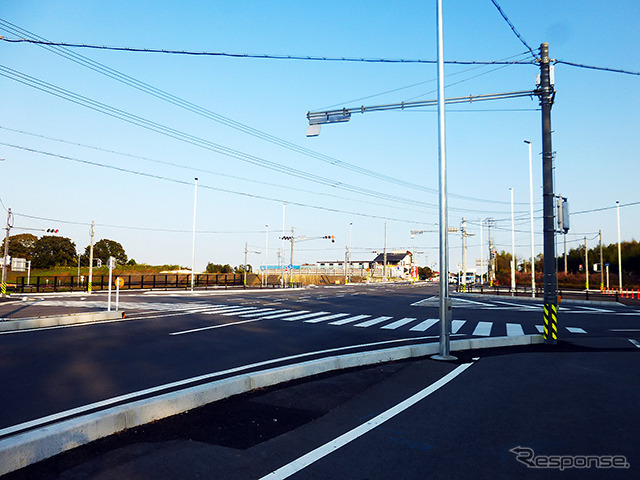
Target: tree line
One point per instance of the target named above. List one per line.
(51, 251)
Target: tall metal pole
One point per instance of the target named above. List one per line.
(586, 264)
(481, 252)
(601, 262)
(90, 282)
(464, 254)
(546, 94)
(350, 246)
(384, 258)
(533, 257)
(193, 244)
(266, 258)
(3, 286)
(513, 248)
(619, 248)
(244, 270)
(282, 279)
(566, 268)
(445, 300)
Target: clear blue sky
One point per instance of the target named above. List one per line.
(595, 121)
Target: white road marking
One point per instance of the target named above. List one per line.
(483, 329)
(313, 456)
(302, 317)
(398, 323)
(635, 342)
(328, 317)
(211, 327)
(267, 311)
(349, 320)
(282, 315)
(239, 312)
(425, 325)
(540, 328)
(520, 305)
(373, 321)
(514, 330)
(601, 310)
(575, 330)
(457, 325)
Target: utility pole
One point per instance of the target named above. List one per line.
(463, 230)
(90, 282)
(546, 93)
(3, 288)
(492, 258)
(246, 250)
(481, 253)
(601, 263)
(566, 269)
(586, 264)
(266, 258)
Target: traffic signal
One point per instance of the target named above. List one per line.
(52, 230)
(333, 240)
(286, 237)
(99, 263)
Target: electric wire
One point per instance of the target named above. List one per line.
(160, 94)
(513, 28)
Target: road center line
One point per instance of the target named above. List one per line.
(300, 463)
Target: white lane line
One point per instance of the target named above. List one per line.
(181, 383)
(373, 321)
(457, 325)
(635, 342)
(302, 317)
(601, 310)
(328, 317)
(483, 329)
(211, 327)
(282, 315)
(514, 330)
(267, 311)
(464, 300)
(313, 456)
(520, 305)
(398, 323)
(575, 330)
(425, 325)
(344, 321)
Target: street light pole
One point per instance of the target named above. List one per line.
(513, 249)
(193, 244)
(90, 282)
(444, 299)
(533, 258)
(266, 258)
(3, 287)
(619, 248)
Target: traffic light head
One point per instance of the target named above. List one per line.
(52, 230)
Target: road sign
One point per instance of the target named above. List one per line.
(120, 282)
(18, 264)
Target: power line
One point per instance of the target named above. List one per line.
(591, 67)
(262, 56)
(162, 95)
(605, 208)
(513, 28)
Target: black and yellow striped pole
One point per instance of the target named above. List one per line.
(546, 94)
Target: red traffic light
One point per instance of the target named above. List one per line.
(52, 230)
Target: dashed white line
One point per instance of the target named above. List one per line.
(514, 330)
(398, 323)
(424, 325)
(302, 317)
(326, 318)
(483, 329)
(373, 321)
(344, 321)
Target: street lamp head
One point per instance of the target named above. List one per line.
(527, 141)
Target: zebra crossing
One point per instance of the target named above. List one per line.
(459, 326)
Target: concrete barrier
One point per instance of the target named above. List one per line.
(29, 447)
(57, 320)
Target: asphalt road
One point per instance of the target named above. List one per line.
(176, 337)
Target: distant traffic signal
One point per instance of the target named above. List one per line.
(52, 230)
(333, 240)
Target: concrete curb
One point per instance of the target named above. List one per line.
(57, 320)
(24, 449)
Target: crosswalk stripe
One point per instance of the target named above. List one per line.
(238, 312)
(217, 310)
(457, 325)
(349, 320)
(398, 323)
(328, 317)
(514, 330)
(575, 330)
(425, 325)
(373, 321)
(302, 317)
(483, 329)
(540, 328)
(267, 311)
(281, 315)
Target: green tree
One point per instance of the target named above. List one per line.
(218, 268)
(51, 251)
(21, 246)
(105, 248)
